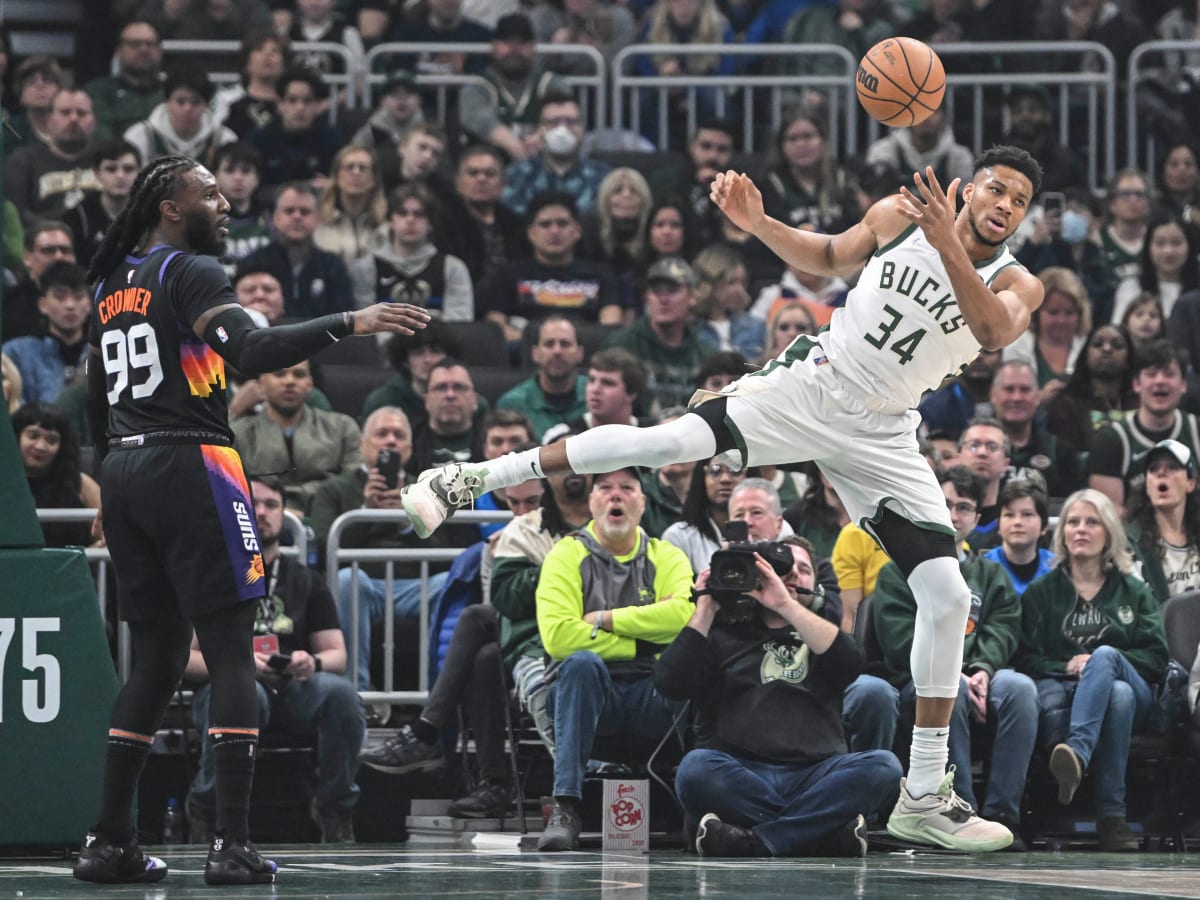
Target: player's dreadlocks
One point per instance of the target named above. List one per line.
(153, 185)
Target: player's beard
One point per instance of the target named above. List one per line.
(201, 235)
(986, 241)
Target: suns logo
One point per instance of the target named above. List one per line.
(256, 572)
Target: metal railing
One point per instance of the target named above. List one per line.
(1099, 90)
(348, 81)
(337, 556)
(628, 87)
(592, 90)
(100, 560)
(1143, 68)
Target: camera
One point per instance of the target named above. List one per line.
(388, 464)
(733, 571)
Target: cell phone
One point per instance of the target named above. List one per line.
(388, 464)
(1053, 203)
(279, 661)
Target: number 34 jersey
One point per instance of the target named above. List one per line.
(901, 331)
(159, 375)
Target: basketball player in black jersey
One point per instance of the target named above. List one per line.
(177, 513)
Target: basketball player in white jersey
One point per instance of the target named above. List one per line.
(938, 285)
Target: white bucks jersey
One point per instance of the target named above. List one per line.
(901, 331)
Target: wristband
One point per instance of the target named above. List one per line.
(317, 664)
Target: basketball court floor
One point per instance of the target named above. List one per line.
(445, 868)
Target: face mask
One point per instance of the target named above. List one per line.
(1074, 226)
(560, 141)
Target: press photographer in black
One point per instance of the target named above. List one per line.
(771, 775)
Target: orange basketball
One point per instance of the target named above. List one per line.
(900, 82)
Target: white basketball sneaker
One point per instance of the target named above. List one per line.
(943, 819)
(439, 492)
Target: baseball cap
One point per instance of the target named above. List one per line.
(672, 269)
(1178, 452)
(400, 78)
(514, 27)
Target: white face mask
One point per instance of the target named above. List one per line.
(560, 141)
(1074, 226)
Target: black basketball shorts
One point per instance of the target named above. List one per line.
(179, 524)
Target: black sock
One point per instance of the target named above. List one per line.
(233, 753)
(124, 759)
(426, 732)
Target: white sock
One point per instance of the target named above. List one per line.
(927, 760)
(512, 468)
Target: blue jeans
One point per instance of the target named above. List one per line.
(789, 807)
(870, 709)
(1012, 704)
(406, 600)
(585, 700)
(327, 704)
(1106, 704)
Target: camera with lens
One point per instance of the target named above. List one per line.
(733, 571)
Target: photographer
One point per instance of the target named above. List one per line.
(300, 659)
(771, 775)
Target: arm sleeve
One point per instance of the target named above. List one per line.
(253, 351)
(686, 668)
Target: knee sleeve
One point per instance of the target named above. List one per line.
(611, 447)
(943, 603)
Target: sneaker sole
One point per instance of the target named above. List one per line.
(935, 838)
(96, 875)
(392, 769)
(1064, 766)
(416, 514)
(702, 831)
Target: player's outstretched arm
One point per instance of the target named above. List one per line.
(842, 254)
(998, 313)
(252, 351)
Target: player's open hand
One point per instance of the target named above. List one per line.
(403, 318)
(737, 196)
(931, 208)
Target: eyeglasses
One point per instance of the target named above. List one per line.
(716, 470)
(356, 167)
(53, 249)
(982, 447)
(963, 509)
(450, 387)
(1130, 194)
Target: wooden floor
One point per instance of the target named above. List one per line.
(445, 868)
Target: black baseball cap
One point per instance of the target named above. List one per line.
(514, 27)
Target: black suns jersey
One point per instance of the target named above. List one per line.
(158, 375)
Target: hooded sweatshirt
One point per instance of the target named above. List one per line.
(154, 137)
(428, 278)
(949, 159)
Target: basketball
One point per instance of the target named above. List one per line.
(900, 82)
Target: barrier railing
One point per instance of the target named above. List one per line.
(627, 91)
(1099, 89)
(99, 559)
(1172, 58)
(337, 556)
(348, 80)
(592, 90)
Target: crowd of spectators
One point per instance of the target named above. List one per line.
(617, 289)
